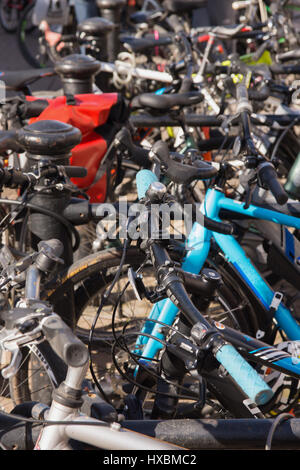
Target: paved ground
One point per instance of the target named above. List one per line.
(10, 56)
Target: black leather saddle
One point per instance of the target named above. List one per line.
(143, 44)
(20, 79)
(165, 102)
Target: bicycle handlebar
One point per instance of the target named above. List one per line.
(144, 178)
(10, 177)
(269, 179)
(63, 341)
(239, 369)
(8, 141)
(138, 154)
(182, 173)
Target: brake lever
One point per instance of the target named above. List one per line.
(24, 332)
(10, 370)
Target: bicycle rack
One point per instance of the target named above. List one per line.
(192, 434)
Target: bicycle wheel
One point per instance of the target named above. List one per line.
(91, 275)
(38, 374)
(31, 41)
(9, 14)
(34, 47)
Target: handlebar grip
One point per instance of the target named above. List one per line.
(8, 141)
(143, 180)
(278, 69)
(139, 155)
(12, 178)
(268, 176)
(245, 376)
(63, 341)
(34, 108)
(243, 103)
(75, 171)
(219, 227)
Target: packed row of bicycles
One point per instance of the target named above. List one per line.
(150, 233)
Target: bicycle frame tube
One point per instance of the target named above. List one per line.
(106, 437)
(199, 244)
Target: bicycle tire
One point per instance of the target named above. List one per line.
(85, 270)
(33, 379)
(23, 39)
(9, 17)
(84, 274)
(39, 373)
(91, 275)
(33, 46)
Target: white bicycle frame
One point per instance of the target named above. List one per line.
(94, 432)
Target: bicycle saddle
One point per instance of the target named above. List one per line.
(183, 6)
(164, 102)
(142, 44)
(178, 171)
(148, 17)
(96, 27)
(18, 80)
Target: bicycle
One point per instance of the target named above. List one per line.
(32, 322)
(10, 11)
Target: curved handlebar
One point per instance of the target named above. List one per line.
(138, 154)
(244, 375)
(269, 179)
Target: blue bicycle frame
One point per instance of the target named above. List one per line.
(199, 241)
